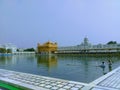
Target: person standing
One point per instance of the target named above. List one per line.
(110, 65)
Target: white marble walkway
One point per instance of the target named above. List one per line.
(110, 81)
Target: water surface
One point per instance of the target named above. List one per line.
(70, 67)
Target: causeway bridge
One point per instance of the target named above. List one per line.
(21, 53)
(110, 81)
(88, 48)
(77, 50)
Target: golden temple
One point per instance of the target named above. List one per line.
(47, 48)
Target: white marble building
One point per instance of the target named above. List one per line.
(88, 47)
(9, 46)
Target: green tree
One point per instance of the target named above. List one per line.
(30, 49)
(9, 51)
(112, 42)
(3, 50)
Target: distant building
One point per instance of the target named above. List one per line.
(10, 46)
(87, 47)
(47, 48)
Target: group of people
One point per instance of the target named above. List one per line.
(103, 64)
(109, 66)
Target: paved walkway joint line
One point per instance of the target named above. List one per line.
(110, 81)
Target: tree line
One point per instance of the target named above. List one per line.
(112, 42)
(3, 50)
(30, 49)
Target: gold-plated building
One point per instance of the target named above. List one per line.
(47, 48)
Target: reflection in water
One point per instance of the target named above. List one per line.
(47, 60)
(88, 62)
(70, 67)
(5, 60)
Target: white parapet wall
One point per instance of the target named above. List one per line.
(110, 81)
(22, 53)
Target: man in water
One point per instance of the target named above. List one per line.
(109, 62)
(102, 65)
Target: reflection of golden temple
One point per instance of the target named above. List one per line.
(47, 48)
(48, 61)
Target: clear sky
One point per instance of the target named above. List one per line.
(27, 22)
